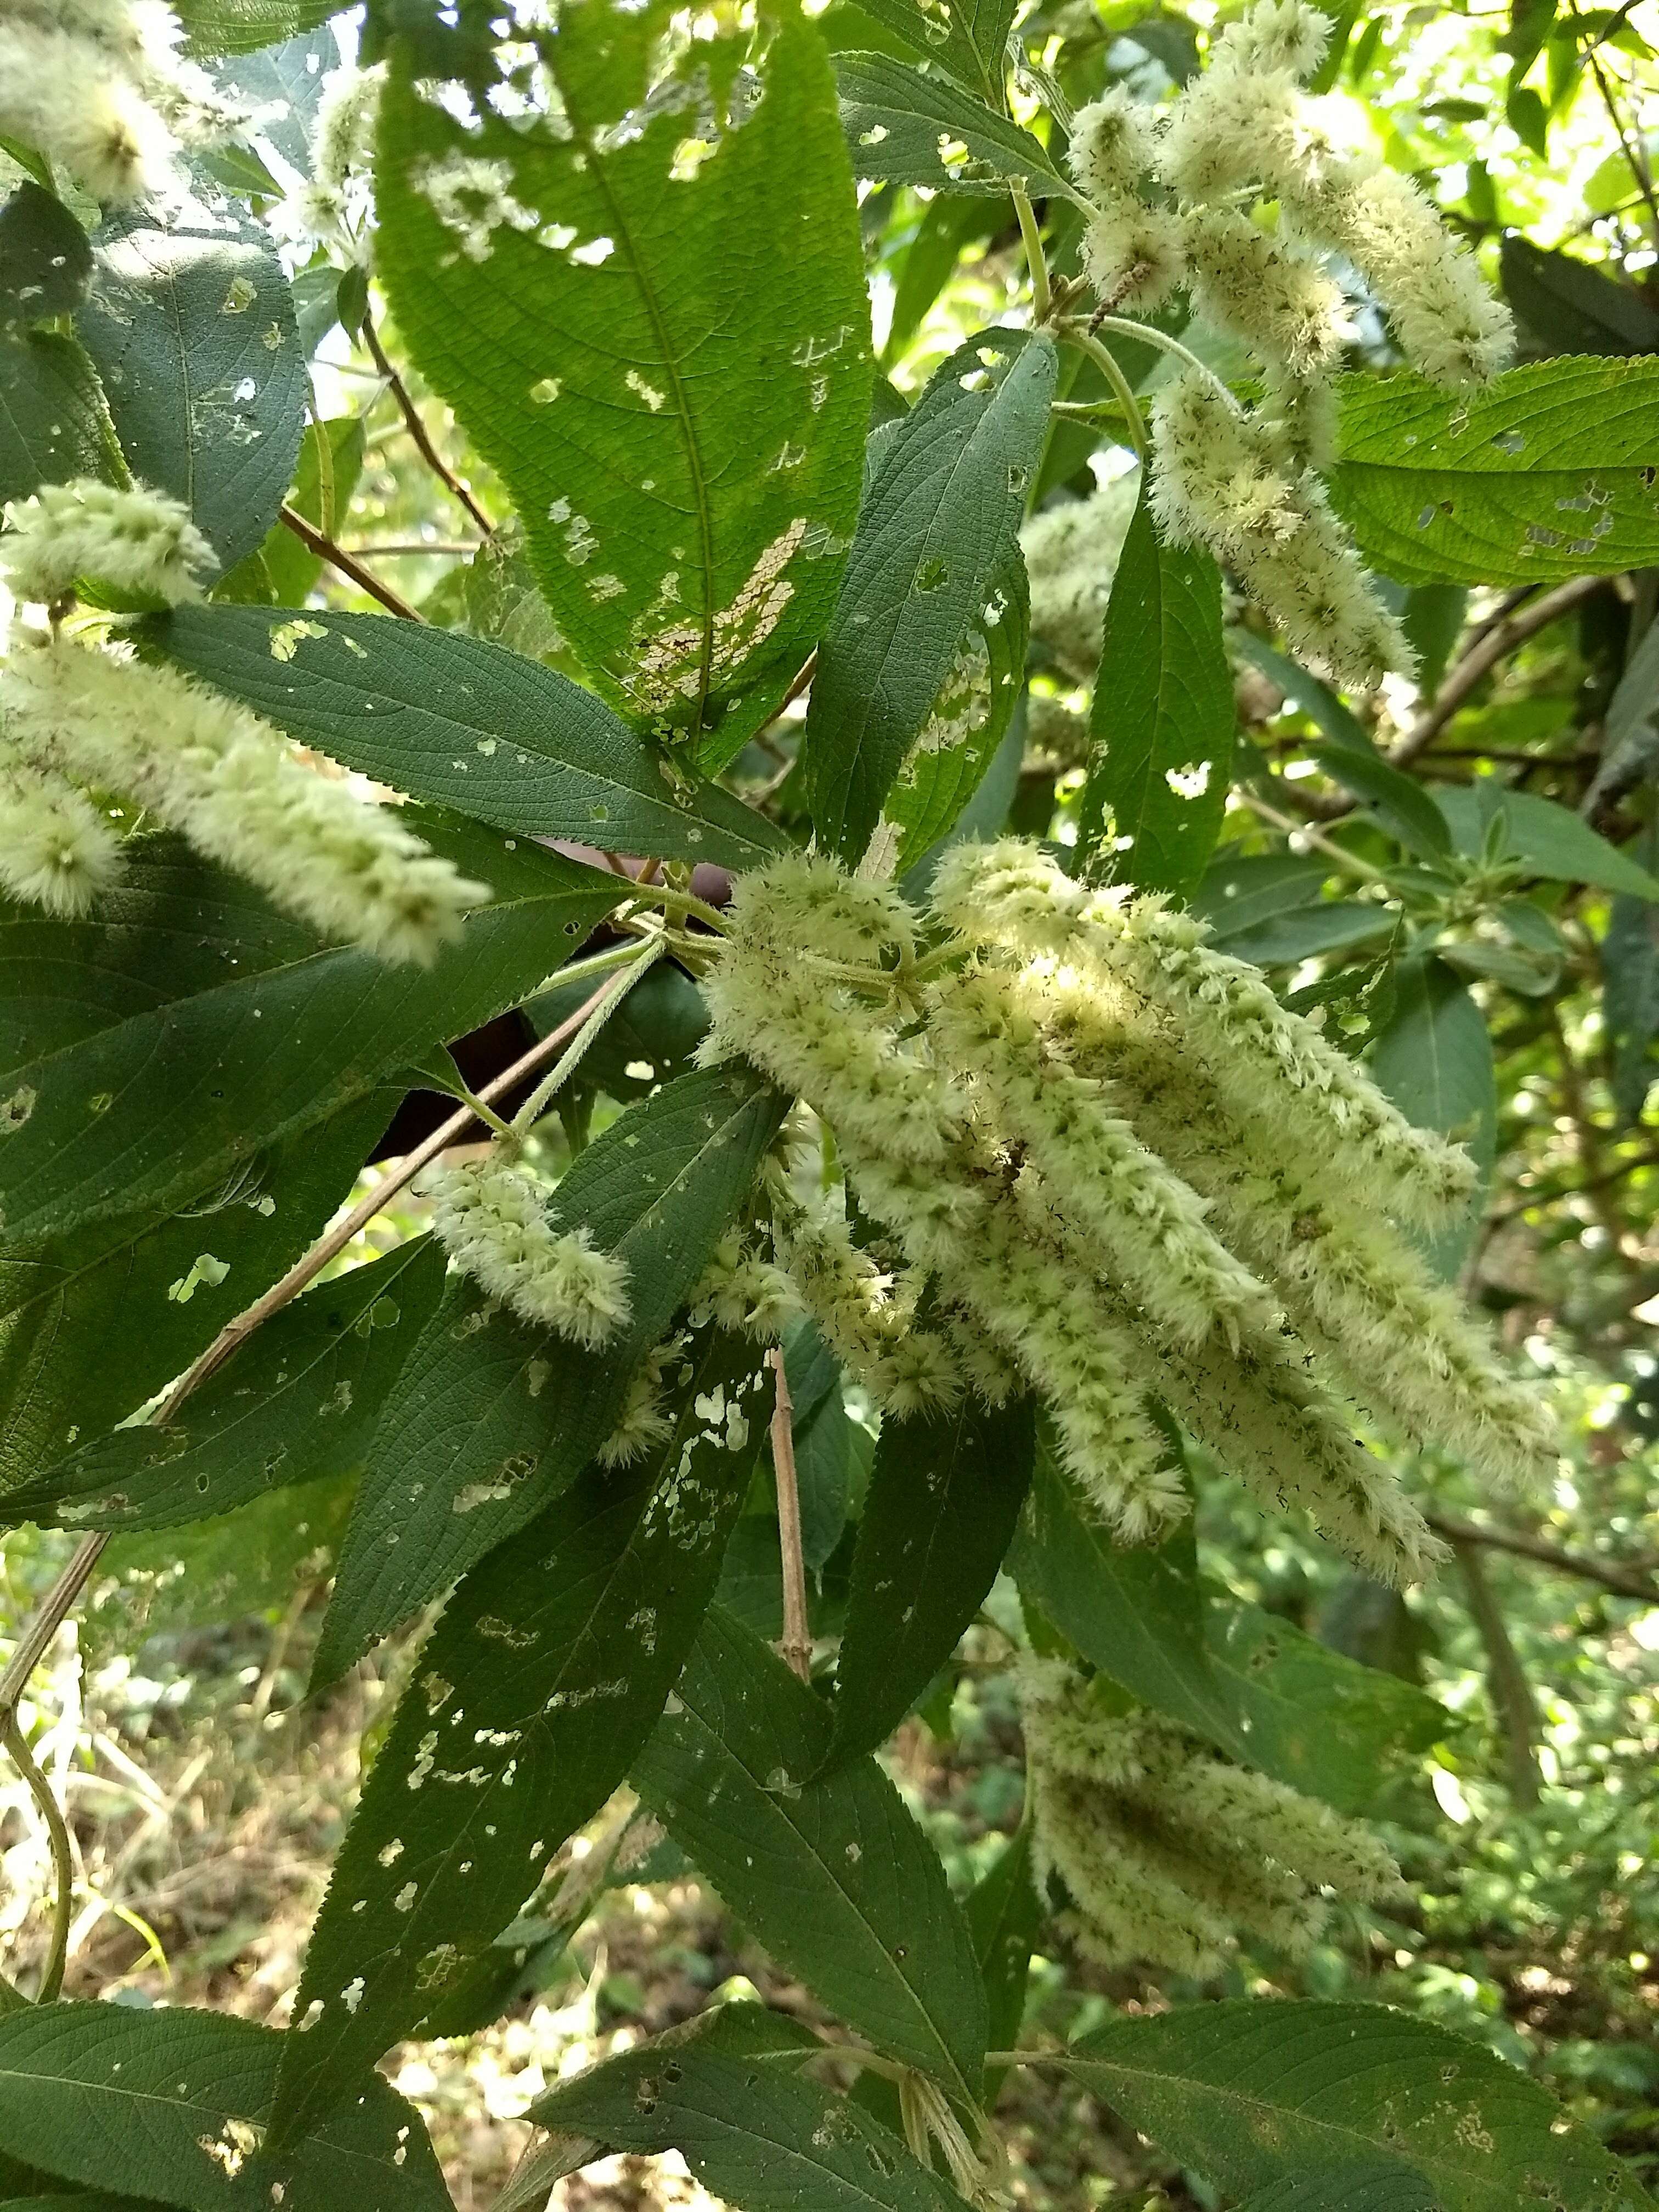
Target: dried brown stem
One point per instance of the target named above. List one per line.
(417, 429)
(347, 564)
(1625, 1582)
(796, 1647)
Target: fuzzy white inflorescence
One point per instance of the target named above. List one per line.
(137, 542)
(1167, 1851)
(1119, 1173)
(98, 87)
(1172, 195)
(227, 782)
(327, 207)
(56, 850)
(491, 1219)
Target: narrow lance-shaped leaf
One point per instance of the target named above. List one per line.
(940, 523)
(677, 417)
(1160, 757)
(727, 2091)
(1548, 840)
(1006, 1916)
(539, 1684)
(492, 1416)
(1433, 1058)
(464, 723)
(175, 2103)
(834, 1878)
(1251, 2094)
(298, 1401)
(945, 1495)
(294, 1030)
(908, 127)
(191, 325)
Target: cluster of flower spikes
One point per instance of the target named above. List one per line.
(75, 717)
(332, 207)
(99, 88)
(1246, 485)
(1166, 1850)
(1129, 1179)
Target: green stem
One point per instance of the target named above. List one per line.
(1125, 327)
(536, 1104)
(51, 1976)
(1031, 239)
(1086, 342)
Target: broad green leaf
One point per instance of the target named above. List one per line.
(1329, 713)
(464, 723)
(1327, 925)
(1433, 1057)
(1237, 894)
(282, 571)
(945, 1495)
(939, 525)
(1137, 1615)
(946, 228)
(1162, 725)
(1251, 2094)
(52, 406)
(824, 1443)
(1630, 1003)
(678, 419)
(44, 259)
(1371, 2185)
(1400, 804)
(1630, 747)
(1004, 1917)
(298, 1030)
(282, 87)
(1546, 473)
(239, 27)
(726, 2091)
(1549, 839)
(1432, 617)
(908, 127)
(299, 1400)
(174, 2103)
(94, 1323)
(543, 1678)
(969, 38)
(191, 326)
(491, 1417)
(1568, 306)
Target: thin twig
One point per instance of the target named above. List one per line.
(51, 1975)
(1514, 1705)
(1487, 650)
(417, 430)
(796, 1648)
(1533, 1200)
(1626, 1582)
(1106, 361)
(433, 548)
(55, 1606)
(1031, 239)
(347, 564)
(1306, 832)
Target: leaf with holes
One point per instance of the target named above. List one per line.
(492, 1416)
(1548, 473)
(241, 26)
(944, 1494)
(300, 1401)
(969, 38)
(834, 1877)
(299, 1030)
(191, 326)
(940, 524)
(907, 126)
(463, 723)
(543, 1678)
(653, 325)
(283, 571)
(1162, 725)
(726, 2090)
(176, 2103)
(1252, 2093)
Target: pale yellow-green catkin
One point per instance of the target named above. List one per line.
(743, 1290)
(133, 542)
(1169, 1851)
(56, 850)
(1266, 291)
(645, 1421)
(491, 1219)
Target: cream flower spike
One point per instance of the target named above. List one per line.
(490, 1218)
(139, 542)
(56, 850)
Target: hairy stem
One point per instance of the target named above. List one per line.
(1031, 240)
(51, 1975)
(1513, 1703)
(347, 563)
(1106, 361)
(603, 1004)
(796, 1647)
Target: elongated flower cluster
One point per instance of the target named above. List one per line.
(1070, 554)
(138, 544)
(224, 779)
(98, 87)
(330, 208)
(1167, 1851)
(1124, 1175)
(491, 1219)
(1174, 200)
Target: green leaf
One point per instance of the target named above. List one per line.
(191, 326)
(1630, 1003)
(1568, 306)
(492, 1417)
(726, 2091)
(908, 127)
(1402, 806)
(1629, 748)
(239, 27)
(824, 1443)
(298, 1029)
(464, 723)
(282, 571)
(1549, 839)
(1239, 895)
(969, 38)
(1433, 1058)
(543, 1678)
(298, 1401)
(946, 226)
(1004, 1917)
(44, 259)
(1546, 473)
(1137, 1615)
(1432, 618)
(834, 1878)
(1324, 708)
(1252, 2093)
(1327, 925)
(283, 87)
(945, 1495)
(1368, 2185)
(52, 409)
(668, 366)
(94, 1323)
(174, 2103)
(1162, 724)
(939, 525)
